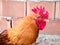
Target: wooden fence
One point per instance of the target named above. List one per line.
(21, 9)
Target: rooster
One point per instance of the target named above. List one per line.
(27, 31)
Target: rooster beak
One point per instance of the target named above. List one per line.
(46, 20)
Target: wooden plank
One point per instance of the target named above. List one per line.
(57, 10)
(4, 25)
(13, 8)
(48, 5)
(53, 28)
(0, 7)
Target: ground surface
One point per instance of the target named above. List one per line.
(44, 39)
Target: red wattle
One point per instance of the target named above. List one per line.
(41, 24)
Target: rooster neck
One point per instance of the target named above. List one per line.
(27, 26)
(28, 20)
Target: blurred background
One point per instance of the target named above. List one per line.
(12, 11)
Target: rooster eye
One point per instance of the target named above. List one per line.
(40, 17)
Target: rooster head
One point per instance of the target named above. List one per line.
(41, 18)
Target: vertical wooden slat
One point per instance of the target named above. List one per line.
(30, 5)
(48, 5)
(57, 10)
(3, 25)
(13, 8)
(0, 7)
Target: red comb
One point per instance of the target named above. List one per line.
(41, 11)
